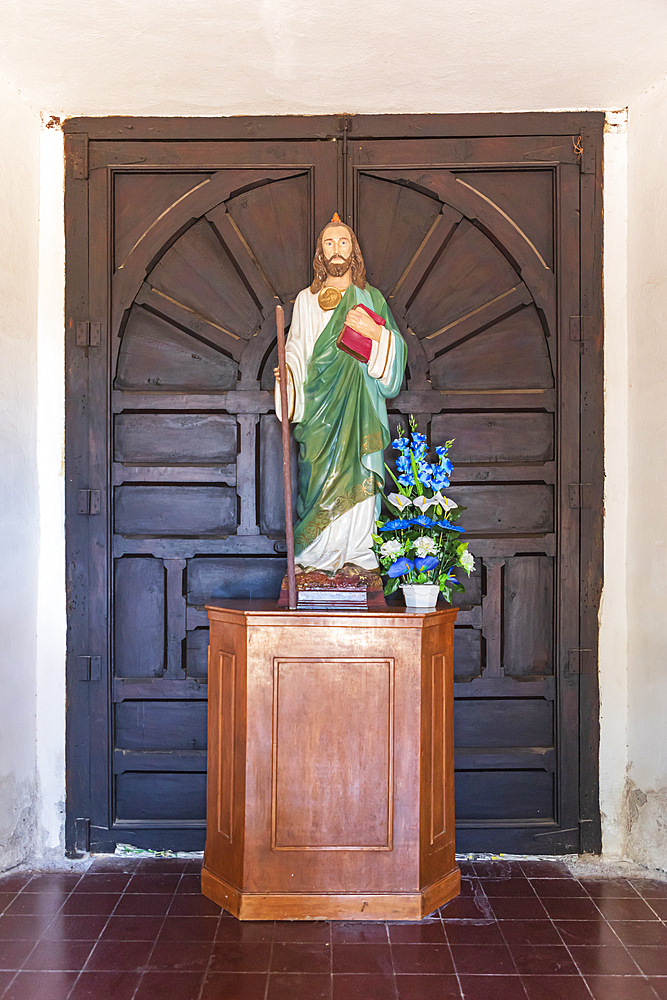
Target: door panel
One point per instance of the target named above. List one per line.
(200, 259)
(185, 248)
(486, 318)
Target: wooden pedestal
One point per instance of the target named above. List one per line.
(331, 763)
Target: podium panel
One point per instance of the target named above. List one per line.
(331, 766)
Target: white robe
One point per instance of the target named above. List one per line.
(347, 539)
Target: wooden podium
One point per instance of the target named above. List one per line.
(331, 763)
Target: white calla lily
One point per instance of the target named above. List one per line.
(444, 502)
(399, 500)
(424, 503)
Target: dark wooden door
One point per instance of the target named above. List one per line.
(188, 245)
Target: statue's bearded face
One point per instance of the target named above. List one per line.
(337, 249)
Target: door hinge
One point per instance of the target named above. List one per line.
(88, 334)
(89, 668)
(90, 501)
(581, 495)
(82, 835)
(580, 661)
(581, 327)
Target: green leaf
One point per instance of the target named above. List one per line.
(401, 489)
(413, 463)
(391, 586)
(378, 539)
(391, 474)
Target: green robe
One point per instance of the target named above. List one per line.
(344, 429)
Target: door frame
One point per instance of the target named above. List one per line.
(80, 473)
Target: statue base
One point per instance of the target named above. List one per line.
(349, 588)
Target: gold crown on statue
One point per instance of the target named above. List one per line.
(336, 219)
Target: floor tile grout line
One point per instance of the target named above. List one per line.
(567, 947)
(451, 953)
(268, 974)
(391, 957)
(106, 924)
(507, 945)
(37, 940)
(164, 920)
(99, 936)
(621, 941)
(210, 957)
(41, 936)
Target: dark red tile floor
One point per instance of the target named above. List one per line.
(132, 929)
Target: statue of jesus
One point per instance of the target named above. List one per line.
(338, 405)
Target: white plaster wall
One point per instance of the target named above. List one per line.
(51, 606)
(233, 57)
(19, 527)
(646, 816)
(613, 653)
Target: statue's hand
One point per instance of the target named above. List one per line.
(360, 321)
(276, 375)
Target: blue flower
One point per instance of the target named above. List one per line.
(441, 450)
(447, 466)
(403, 463)
(397, 525)
(400, 567)
(423, 521)
(407, 479)
(419, 450)
(418, 438)
(424, 473)
(439, 479)
(426, 564)
(400, 444)
(450, 526)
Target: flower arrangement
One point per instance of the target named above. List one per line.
(420, 541)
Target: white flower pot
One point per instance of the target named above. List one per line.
(420, 595)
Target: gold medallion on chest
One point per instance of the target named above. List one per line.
(329, 298)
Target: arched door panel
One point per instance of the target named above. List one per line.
(474, 285)
(200, 261)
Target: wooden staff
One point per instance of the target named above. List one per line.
(287, 468)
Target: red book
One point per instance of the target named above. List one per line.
(355, 343)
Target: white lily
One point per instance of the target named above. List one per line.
(424, 503)
(444, 502)
(400, 501)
